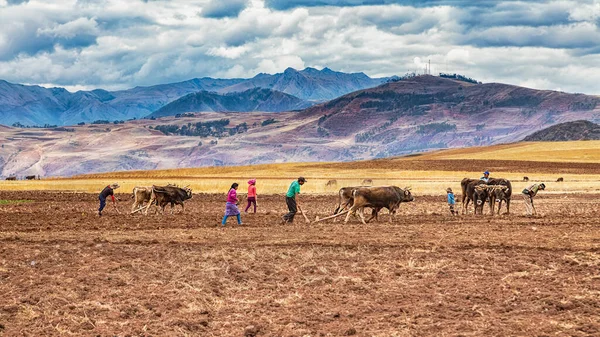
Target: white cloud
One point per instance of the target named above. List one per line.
(71, 28)
(122, 43)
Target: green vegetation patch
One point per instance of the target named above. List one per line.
(10, 202)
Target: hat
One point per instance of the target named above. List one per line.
(448, 189)
(486, 172)
(543, 186)
(115, 185)
(302, 179)
(251, 181)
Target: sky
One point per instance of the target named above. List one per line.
(120, 44)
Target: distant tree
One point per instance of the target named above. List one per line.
(268, 122)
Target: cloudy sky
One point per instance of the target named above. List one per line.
(118, 44)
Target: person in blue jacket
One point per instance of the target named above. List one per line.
(451, 201)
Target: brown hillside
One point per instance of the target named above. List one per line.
(577, 130)
(411, 116)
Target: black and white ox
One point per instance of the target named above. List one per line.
(164, 195)
(378, 197)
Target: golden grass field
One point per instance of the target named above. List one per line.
(427, 174)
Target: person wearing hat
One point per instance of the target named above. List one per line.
(486, 176)
(251, 194)
(108, 191)
(290, 199)
(451, 201)
(528, 195)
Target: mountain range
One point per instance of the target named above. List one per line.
(397, 118)
(256, 99)
(35, 105)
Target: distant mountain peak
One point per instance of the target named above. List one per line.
(290, 70)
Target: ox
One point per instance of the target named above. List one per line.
(11, 178)
(464, 184)
(29, 177)
(346, 200)
(560, 180)
(479, 194)
(164, 195)
(140, 196)
(497, 193)
(389, 197)
(525, 179)
(504, 195)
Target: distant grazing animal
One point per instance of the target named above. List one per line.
(379, 197)
(331, 182)
(164, 195)
(11, 178)
(560, 180)
(504, 196)
(525, 179)
(367, 182)
(29, 177)
(141, 195)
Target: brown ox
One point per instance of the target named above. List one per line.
(11, 178)
(346, 200)
(389, 197)
(525, 179)
(465, 197)
(560, 180)
(502, 195)
(164, 195)
(29, 177)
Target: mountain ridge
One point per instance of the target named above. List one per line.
(36, 105)
(256, 99)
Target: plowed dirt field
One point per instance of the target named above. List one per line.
(65, 271)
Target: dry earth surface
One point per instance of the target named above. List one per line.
(65, 271)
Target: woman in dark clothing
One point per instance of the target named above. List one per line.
(106, 192)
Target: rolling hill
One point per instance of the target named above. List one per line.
(35, 105)
(406, 117)
(577, 130)
(257, 99)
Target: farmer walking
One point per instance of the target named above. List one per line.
(107, 191)
(231, 208)
(251, 195)
(528, 195)
(290, 199)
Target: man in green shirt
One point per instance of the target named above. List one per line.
(290, 199)
(528, 195)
